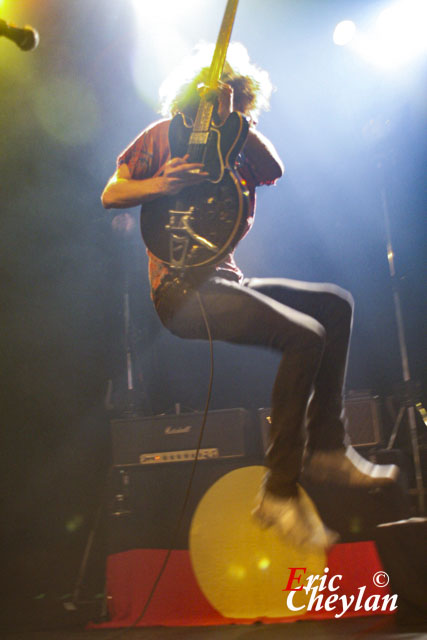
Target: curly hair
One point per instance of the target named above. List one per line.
(252, 86)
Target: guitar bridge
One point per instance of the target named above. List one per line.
(180, 233)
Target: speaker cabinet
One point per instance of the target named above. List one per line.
(362, 414)
(363, 418)
(401, 546)
(147, 501)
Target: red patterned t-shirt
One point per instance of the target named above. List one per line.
(145, 157)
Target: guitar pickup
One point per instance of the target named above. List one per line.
(199, 137)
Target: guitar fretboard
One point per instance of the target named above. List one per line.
(204, 113)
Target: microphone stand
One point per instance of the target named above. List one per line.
(411, 405)
(134, 400)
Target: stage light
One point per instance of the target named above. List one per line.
(401, 32)
(163, 10)
(397, 35)
(159, 43)
(166, 32)
(344, 32)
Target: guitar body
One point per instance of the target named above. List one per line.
(201, 224)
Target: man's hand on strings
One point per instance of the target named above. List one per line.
(178, 173)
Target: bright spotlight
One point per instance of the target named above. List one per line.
(164, 29)
(398, 36)
(401, 30)
(344, 32)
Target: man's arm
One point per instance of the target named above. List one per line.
(263, 157)
(122, 191)
(259, 151)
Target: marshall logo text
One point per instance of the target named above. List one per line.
(173, 430)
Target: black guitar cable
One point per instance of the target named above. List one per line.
(121, 634)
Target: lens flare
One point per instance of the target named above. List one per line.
(67, 110)
(344, 32)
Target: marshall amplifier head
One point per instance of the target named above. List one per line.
(174, 438)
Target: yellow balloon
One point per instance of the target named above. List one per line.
(241, 568)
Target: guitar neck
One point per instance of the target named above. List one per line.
(222, 43)
(204, 114)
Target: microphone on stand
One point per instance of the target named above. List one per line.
(26, 38)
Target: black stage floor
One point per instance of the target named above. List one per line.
(367, 628)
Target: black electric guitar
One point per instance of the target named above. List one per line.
(201, 224)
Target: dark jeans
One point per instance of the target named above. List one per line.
(310, 324)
